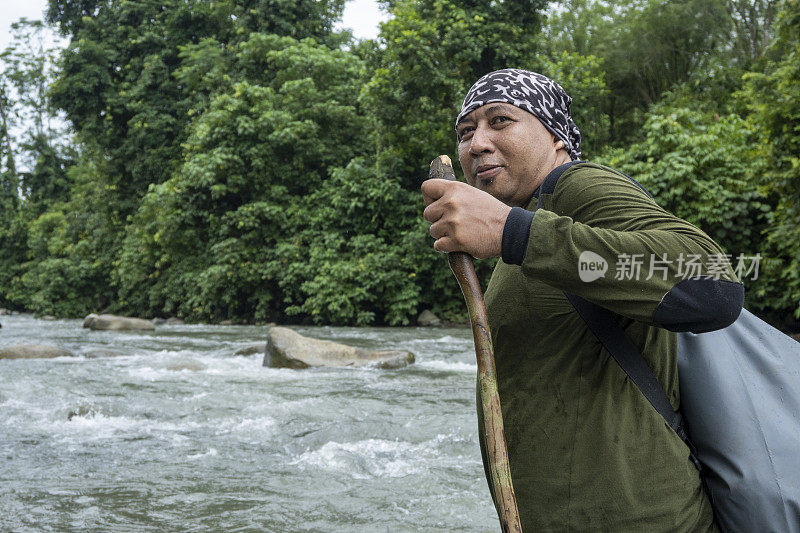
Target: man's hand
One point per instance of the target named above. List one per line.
(464, 219)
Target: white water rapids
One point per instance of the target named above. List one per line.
(178, 434)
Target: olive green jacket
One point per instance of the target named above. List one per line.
(587, 451)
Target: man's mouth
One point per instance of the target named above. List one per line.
(487, 173)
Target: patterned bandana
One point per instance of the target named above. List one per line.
(532, 92)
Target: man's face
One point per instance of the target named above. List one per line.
(506, 151)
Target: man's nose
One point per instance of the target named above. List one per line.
(481, 141)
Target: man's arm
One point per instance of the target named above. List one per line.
(593, 211)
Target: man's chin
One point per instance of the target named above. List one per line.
(486, 184)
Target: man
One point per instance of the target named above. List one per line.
(586, 449)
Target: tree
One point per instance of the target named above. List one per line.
(119, 87)
(9, 185)
(29, 65)
(646, 47)
(12, 232)
(774, 100)
(205, 243)
(434, 50)
(752, 30)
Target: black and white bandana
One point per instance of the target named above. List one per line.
(532, 92)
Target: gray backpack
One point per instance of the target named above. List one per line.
(740, 398)
(740, 412)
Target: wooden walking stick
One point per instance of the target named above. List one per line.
(494, 436)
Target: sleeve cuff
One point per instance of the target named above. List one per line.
(515, 235)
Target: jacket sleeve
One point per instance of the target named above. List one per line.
(660, 269)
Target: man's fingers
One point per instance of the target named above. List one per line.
(445, 244)
(433, 212)
(432, 190)
(438, 229)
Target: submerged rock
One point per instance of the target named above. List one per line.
(82, 410)
(427, 318)
(96, 353)
(116, 323)
(33, 351)
(288, 349)
(251, 349)
(190, 365)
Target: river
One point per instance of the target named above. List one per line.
(178, 434)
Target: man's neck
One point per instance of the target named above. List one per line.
(561, 157)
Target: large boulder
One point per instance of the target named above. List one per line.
(289, 349)
(33, 351)
(116, 323)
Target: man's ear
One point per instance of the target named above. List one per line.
(559, 144)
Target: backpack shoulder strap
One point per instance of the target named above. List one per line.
(550, 181)
(608, 331)
(602, 324)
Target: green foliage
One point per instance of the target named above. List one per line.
(774, 99)
(701, 167)
(63, 283)
(125, 88)
(71, 250)
(238, 159)
(583, 78)
(13, 244)
(646, 48)
(352, 264)
(209, 235)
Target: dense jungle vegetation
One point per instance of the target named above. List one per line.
(242, 159)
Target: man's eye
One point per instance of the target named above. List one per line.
(500, 119)
(465, 132)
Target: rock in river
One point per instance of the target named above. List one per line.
(116, 323)
(33, 351)
(97, 353)
(427, 318)
(287, 348)
(251, 349)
